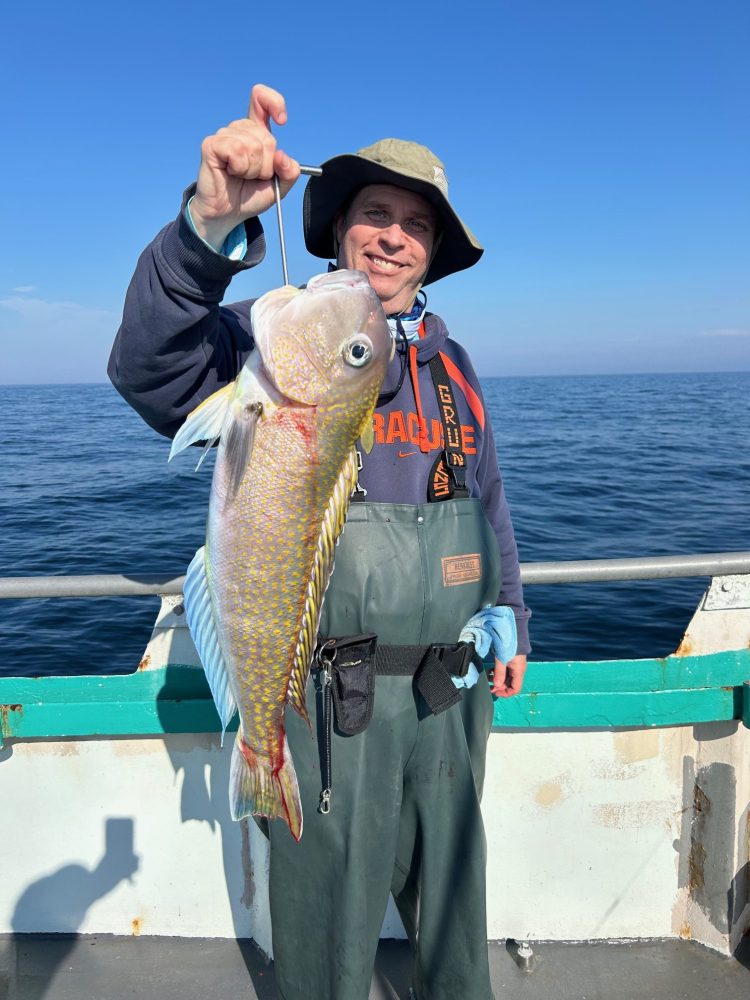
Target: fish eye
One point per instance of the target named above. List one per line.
(357, 351)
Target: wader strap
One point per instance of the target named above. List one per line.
(448, 474)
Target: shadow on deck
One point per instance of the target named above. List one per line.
(72, 967)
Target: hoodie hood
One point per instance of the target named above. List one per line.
(427, 347)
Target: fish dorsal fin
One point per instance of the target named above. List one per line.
(200, 618)
(204, 423)
(330, 529)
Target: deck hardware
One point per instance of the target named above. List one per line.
(728, 593)
(525, 956)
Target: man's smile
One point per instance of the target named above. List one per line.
(383, 263)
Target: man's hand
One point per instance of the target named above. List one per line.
(507, 678)
(235, 179)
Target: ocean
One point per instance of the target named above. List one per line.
(594, 467)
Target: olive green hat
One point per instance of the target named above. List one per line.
(405, 165)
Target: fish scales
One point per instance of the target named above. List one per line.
(273, 533)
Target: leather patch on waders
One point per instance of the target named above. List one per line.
(461, 569)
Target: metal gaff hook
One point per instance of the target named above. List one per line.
(310, 172)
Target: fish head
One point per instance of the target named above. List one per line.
(325, 343)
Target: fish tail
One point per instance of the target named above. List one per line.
(263, 787)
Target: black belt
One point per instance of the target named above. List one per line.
(432, 668)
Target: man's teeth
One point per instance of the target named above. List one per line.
(384, 265)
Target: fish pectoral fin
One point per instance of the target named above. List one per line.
(367, 437)
(238, 444)
(200, 618)
(204, 423)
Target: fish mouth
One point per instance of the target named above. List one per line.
(337, 279)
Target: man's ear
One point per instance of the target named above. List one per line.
(338, 231)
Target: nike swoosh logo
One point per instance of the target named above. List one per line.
(405, 454)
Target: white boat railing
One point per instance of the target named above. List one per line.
(576, 571)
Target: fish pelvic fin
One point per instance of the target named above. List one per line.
(204, 423)
(202, 624)
(259, 786)
(330, 529)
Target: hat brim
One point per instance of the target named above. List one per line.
(343, 175)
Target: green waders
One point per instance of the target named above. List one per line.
(405, 805)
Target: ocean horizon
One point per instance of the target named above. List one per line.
(668, 374)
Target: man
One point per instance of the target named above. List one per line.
(428, 544)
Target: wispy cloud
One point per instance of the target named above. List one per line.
(23, 289)
(725, 332)
(41, 311)
(54, 341)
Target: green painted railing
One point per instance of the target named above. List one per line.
(676, 690)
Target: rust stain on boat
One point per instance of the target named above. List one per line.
(631, 815)
(549, 794)
(686, 647)
(697, 857)
(634, 746)
(145, 663)
(136, 746)
(136, 926)
(686, 932)
(6, 723)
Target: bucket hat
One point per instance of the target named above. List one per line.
(403, 164)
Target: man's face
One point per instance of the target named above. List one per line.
(388, 232)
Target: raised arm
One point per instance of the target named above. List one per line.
(177, 344)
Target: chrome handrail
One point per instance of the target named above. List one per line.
(639, 568)
(577, 571)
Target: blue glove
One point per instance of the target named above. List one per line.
(491, 628)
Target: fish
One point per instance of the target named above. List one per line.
(286, 467)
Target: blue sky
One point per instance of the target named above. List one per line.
(599, 150)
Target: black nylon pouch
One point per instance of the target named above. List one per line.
(352, 663)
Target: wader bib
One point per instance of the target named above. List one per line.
(405, 806)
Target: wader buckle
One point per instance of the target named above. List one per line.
(456, 657)
(456, 469)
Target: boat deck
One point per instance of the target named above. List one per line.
(81, 967)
